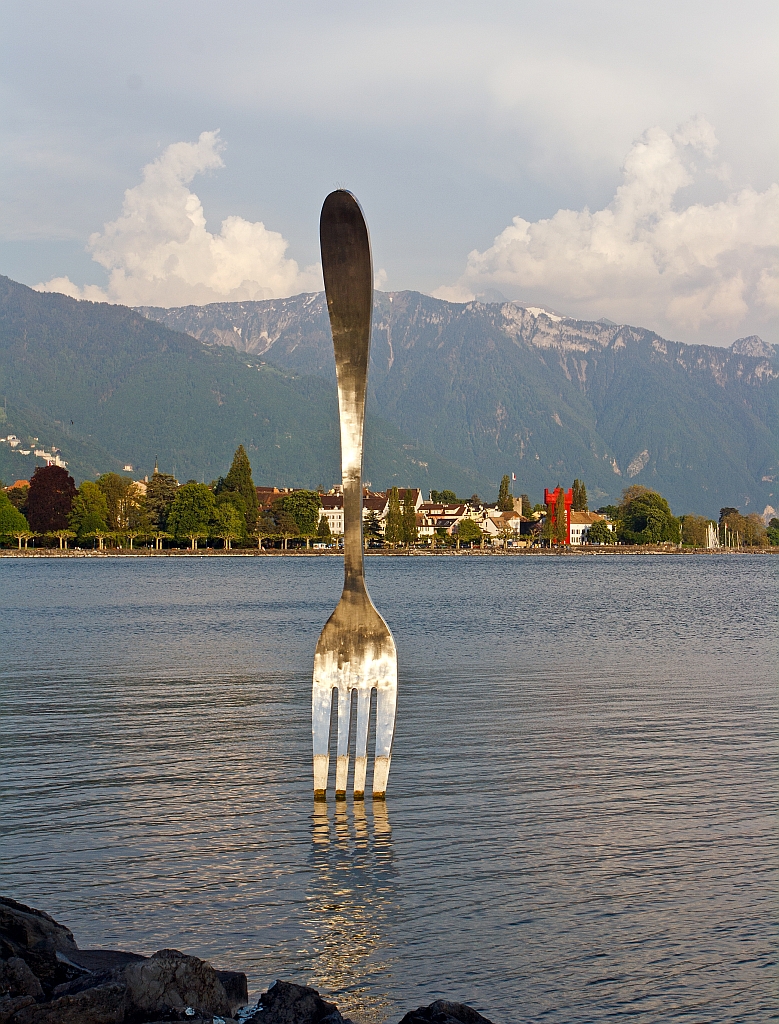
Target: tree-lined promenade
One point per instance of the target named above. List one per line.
(118, 515)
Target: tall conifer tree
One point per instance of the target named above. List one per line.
(409, 518)
(505, 501)
(239, 480)
(579, 496)
(560, 519)
(393, 531)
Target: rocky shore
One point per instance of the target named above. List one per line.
(46, 979)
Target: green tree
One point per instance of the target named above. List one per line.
(694, 530)
(63, 536)
(123, 500)
(89, 511)
(234, 501)
(17, 495)
(579, 503)
(645, 518)
(410, 532)
(12, 522)
(102, 536)
(755, 531)
(505, 500)
(526, 506)
(91, 526)
(228, 524)
(444, 497)
(632, 492)
(303, 507)
(323, 532)
(372, 526)
(468, 531)
(160, 493)
(547, 527)
(266, 527)
(748, 531)
(239, 481)
(393, 528)
(599, 533)
(772, 532)
(191, 513)
(132, 534)
(611, 512)
(286, 526)
(560, 519)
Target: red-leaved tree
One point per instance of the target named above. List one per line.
(49, 499)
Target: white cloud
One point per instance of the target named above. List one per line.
(646, 259)
(159, 252)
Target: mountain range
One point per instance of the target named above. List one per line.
(500, 388)
(110, 388)
(459, 395)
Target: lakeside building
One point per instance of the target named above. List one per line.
(579, 524)
(333, 512)
(503, 526)
(267, 495)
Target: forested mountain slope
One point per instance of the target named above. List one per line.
(110, 387)
(499, 388)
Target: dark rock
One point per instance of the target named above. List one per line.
(444, 1012)
(17, 979)
(101, 959)
(10, 1004)
(37, 939)
(287, 1003)
(46, 979)
(27, 928)
(236, 986)
(102, 1004)
(172, 981)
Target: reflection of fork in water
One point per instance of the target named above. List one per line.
(352, 905)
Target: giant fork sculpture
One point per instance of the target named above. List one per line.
(355, 650)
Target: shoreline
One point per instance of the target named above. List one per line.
(46, 978)
(577, 552)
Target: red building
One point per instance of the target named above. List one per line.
(550, 500)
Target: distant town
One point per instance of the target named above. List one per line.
(119, 513)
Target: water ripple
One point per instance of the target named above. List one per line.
(581, 819)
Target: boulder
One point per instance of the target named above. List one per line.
(17, 979)
(100, 1004)
(10, 1004)
(236, 985)
(38, 940)
(444, 1012)
(27, 928)
(172, 981)
(46, 979)
(287, 1003)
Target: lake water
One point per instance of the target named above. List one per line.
(582, 811)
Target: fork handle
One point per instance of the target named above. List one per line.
(348, 273)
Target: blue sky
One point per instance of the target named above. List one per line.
(465, 130)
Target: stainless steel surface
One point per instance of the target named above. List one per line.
(355, 651)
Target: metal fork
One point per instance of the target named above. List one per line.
(355, 650)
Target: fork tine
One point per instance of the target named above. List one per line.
(361, 742)
(342, 758)
(322, 706)
(385, 726)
